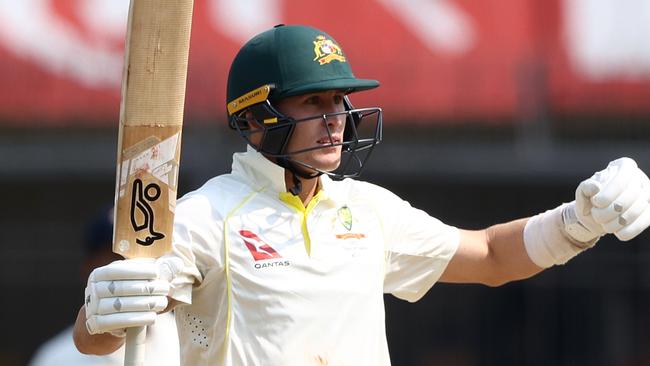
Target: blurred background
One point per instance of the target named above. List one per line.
(494, 110)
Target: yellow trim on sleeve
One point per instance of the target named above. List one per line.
(296, 203)
(227, 266)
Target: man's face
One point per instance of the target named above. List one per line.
(309, 134)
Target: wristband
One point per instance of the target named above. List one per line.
(549, 240)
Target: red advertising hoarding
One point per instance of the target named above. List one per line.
(437, 60)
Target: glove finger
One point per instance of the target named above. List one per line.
(583, 204)
(584, 192)
(621, 204)
(619, 173)
(131, 269)
(131, 288)
(588, 188)
(635, 211)
(112, 305)
(636, 227)
(627, 217)
(105, 323)
(90, 299)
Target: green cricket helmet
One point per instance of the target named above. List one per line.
(295, 60)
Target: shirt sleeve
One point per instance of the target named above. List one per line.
(197, 241)
(418, 247)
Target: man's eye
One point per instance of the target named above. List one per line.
(312, 100)
(338, 99)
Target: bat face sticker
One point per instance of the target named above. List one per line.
(140, 208)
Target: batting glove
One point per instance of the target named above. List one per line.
(128, 293)
(614, 200)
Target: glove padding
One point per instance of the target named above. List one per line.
(614, 200)
(128, 293)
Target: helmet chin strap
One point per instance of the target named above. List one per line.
(295, 172)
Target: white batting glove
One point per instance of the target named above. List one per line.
(128, 293)
(614, 200)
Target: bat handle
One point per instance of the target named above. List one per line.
(135, 346)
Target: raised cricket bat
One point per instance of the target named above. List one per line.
(149, 142)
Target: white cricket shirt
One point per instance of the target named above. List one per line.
(276, 283)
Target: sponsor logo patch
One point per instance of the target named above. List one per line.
(259, 249)
(350, 236)
(272, 264)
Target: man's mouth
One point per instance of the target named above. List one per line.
(326, 140)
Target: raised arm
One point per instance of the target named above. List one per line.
(615, 200)
(492, 256)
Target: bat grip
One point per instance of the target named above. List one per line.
(135, 346)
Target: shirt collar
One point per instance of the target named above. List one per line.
(259, 171)
(264, 174)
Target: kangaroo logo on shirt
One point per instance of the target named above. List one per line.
(258, 248)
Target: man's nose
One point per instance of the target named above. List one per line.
(334, 115)
(335, 120)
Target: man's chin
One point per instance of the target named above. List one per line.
(327, 165)
(321, 163)
(320, 168)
